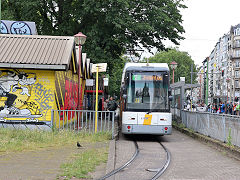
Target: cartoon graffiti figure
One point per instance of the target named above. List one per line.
(11, 82)
(3, 28)
(20, 28)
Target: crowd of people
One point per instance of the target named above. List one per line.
(222, 108)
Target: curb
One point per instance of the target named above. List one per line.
(111, 158)
(223, 147)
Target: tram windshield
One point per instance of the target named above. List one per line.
(147, 91)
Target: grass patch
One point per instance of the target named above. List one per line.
(84, 163)
(13, 140)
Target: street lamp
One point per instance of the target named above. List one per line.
(173, 65)
(79, 39)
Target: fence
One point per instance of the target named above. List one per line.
(83, 120)
(218, 126)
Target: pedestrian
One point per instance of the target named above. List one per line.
(230, 108)
(105, 105)
(100, 105)
(222, 107)
(237, 108)
(214, 108)
(112, 105)
(234, 109)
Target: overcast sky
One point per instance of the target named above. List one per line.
(205, 21)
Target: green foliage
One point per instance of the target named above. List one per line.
(111, 26)
(13, 140)
(182, 58)
(229, 138)
(116, 77)
(84, 163)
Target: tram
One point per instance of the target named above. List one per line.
(145, 99)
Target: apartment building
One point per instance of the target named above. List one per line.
(235, 58)
(221, 78)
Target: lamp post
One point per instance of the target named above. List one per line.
(173, 65)
(80, 39)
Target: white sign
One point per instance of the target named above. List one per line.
(102, 67)
(182, 79)
(89, 82)
(105, 81)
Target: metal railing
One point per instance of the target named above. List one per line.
(218, 126)
(83, 120)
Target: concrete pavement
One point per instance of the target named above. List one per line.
(191, 159)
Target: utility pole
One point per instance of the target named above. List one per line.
(206, 97)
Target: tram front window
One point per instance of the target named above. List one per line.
(147, 91)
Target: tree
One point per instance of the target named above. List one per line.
(112, 26)
(182, 58)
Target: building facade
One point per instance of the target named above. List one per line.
(222, 69)
(39, 74)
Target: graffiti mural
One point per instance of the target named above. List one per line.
(18, 27)
(24, 96)
(3, 28)
(44, 97)
(66, 93)
(10, 83)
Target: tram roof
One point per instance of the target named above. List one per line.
(144, 66)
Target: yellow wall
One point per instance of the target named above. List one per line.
(27, 95)
(30, 95)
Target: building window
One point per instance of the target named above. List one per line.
(237, 43)
(237, 53)
(236, 84)
(236, 63)
(237, 31)
(237, 74)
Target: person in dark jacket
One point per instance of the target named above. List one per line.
(112, 105)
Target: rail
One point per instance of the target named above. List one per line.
(83, 120)
(222, 127)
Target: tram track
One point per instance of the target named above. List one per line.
(158, 171)
(115, 171)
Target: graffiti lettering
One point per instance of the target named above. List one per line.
(31, 106)
(43, 97)
(45, 80)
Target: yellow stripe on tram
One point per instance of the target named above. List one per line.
(147, 119)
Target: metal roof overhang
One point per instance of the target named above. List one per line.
(33, 66)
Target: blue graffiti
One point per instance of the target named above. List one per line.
(3, 28)
(20, 28)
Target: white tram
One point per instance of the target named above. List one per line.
(145, 96)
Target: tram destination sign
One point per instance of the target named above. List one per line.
(140, 77)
